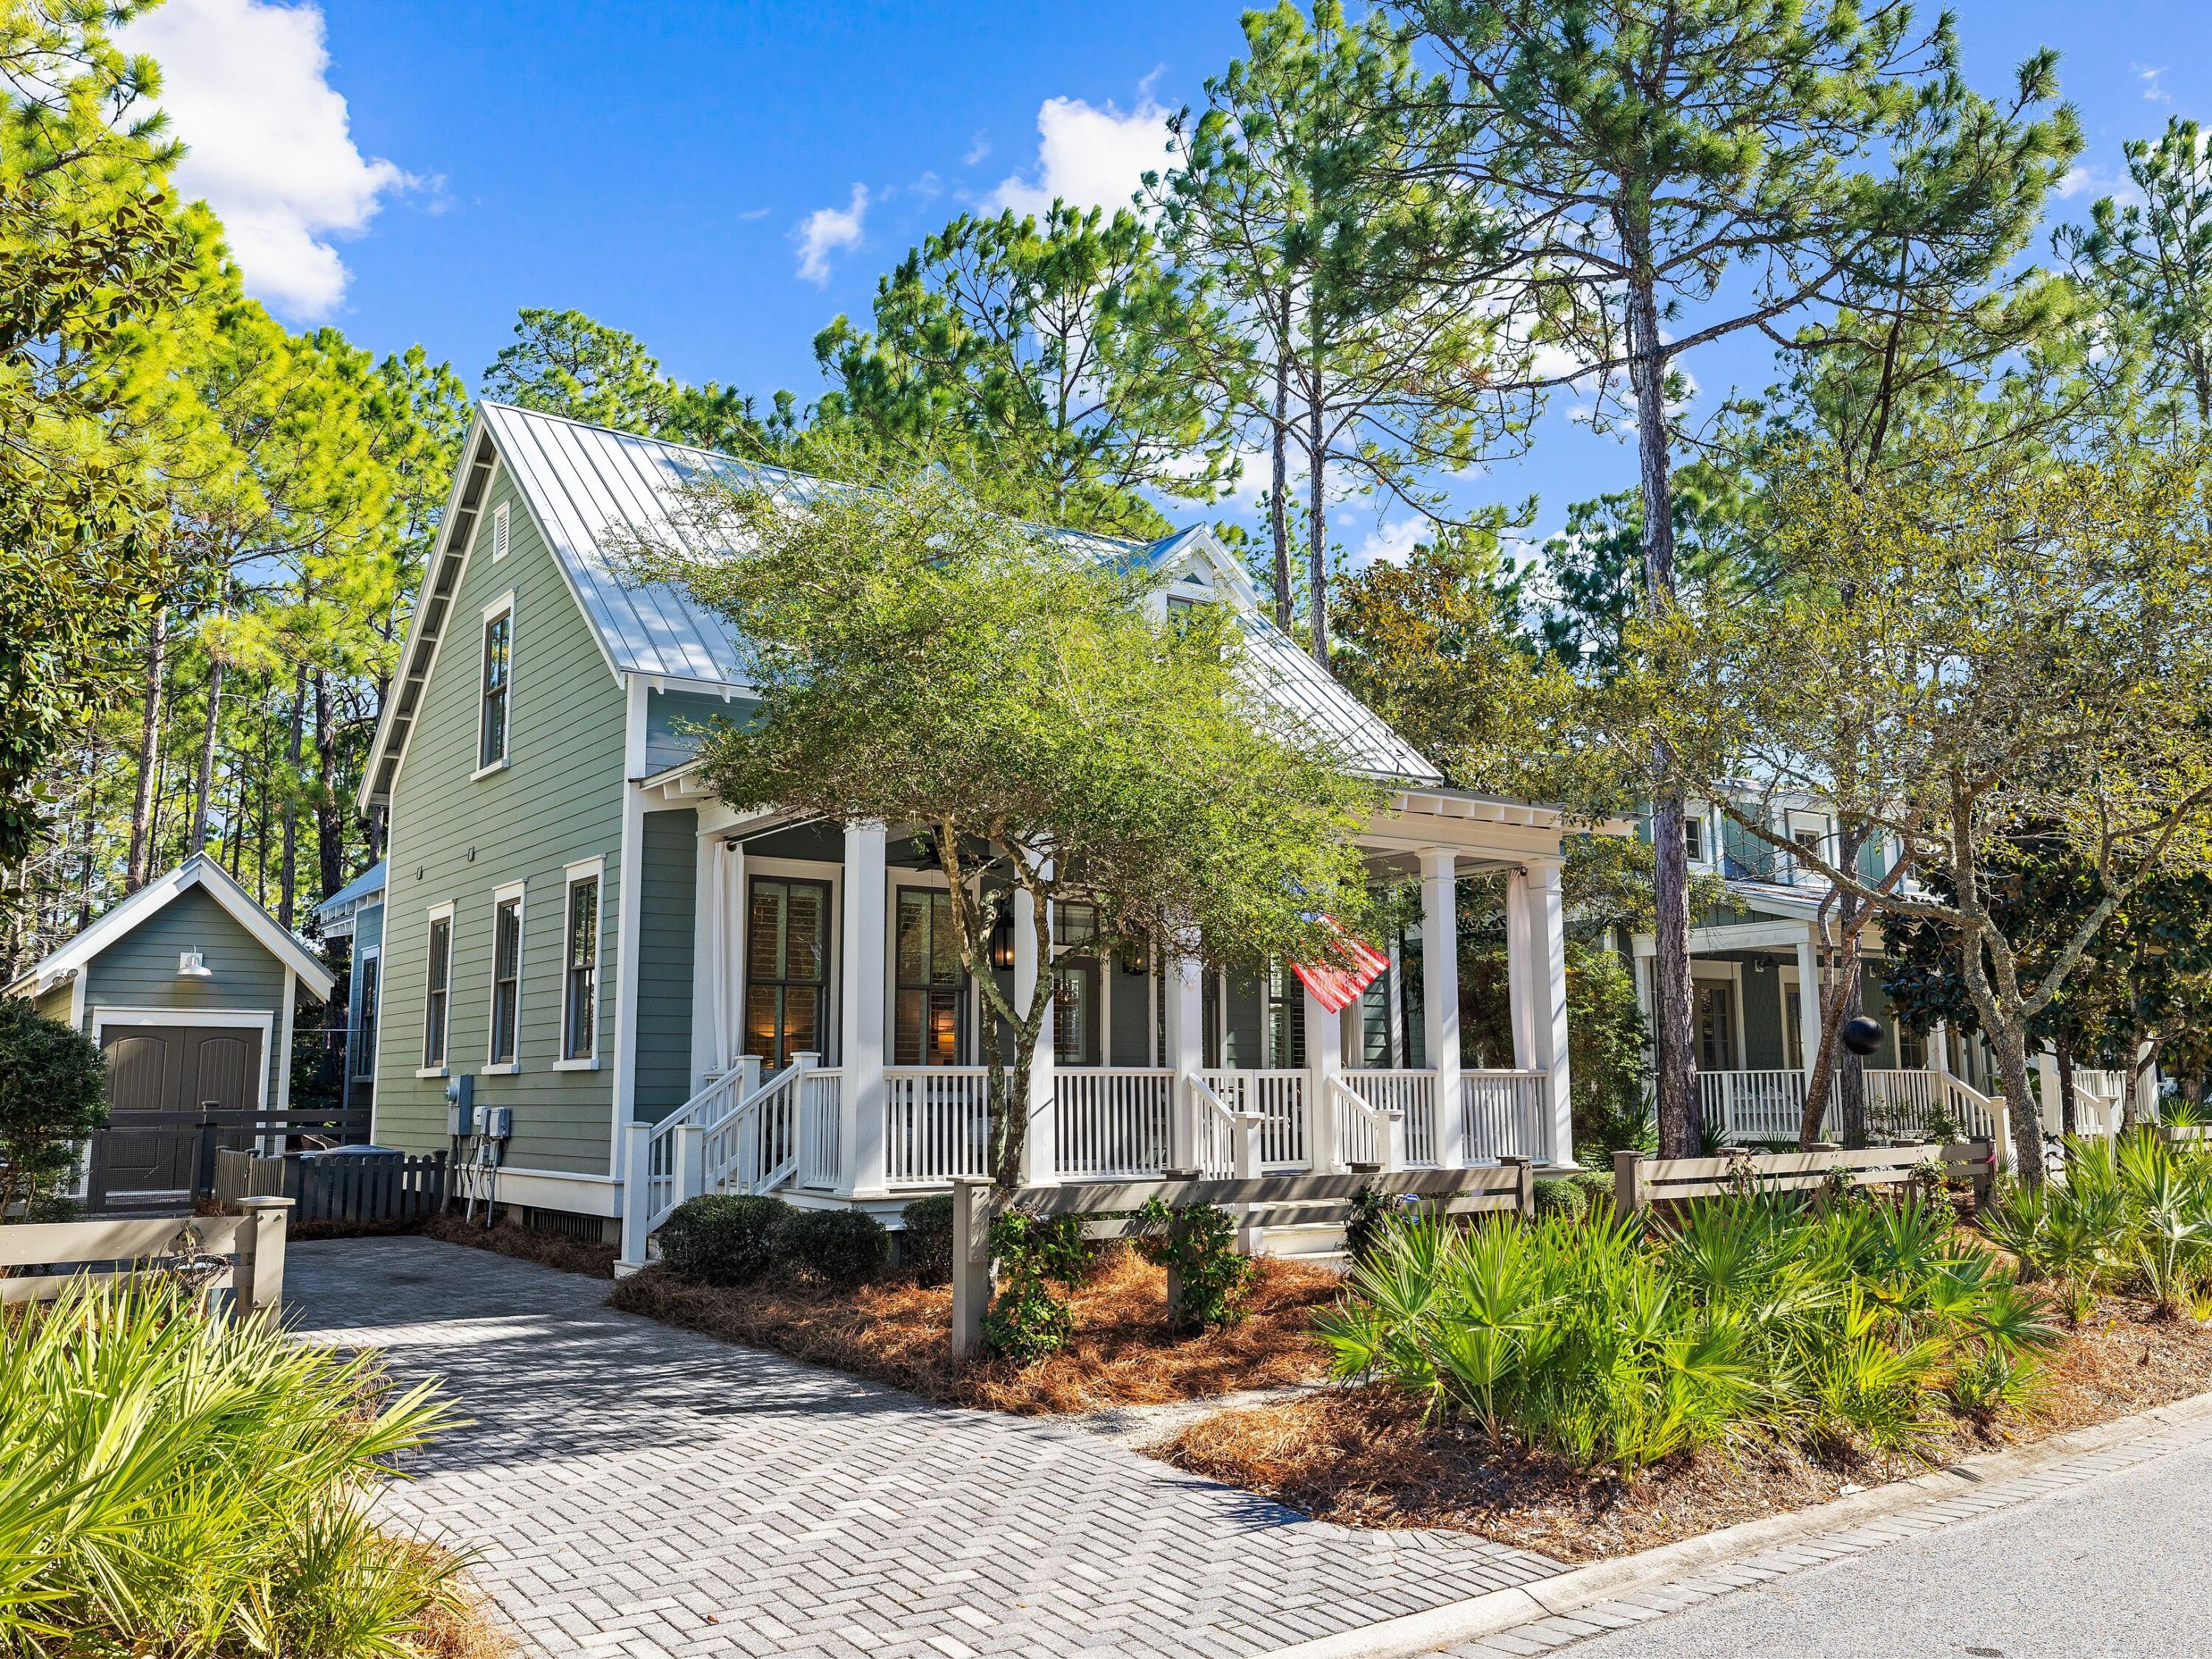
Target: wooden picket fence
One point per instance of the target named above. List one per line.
(1640, 1181)
(2185, 1134)
(1256, 1202)
(251, 1243)
(340, 1189)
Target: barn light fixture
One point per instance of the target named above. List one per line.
(189, 966)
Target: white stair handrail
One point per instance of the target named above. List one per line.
(1239, 1126)
(712, 1113)
(1385, 1126)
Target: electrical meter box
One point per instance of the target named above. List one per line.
(461, 1107)
(496, 1122)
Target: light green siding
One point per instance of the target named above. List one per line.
(457, 838)
(668, 885)
(139, 970)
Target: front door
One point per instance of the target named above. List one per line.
(173, 1069)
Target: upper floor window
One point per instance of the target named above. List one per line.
(506, 975)
(1693, 839)
(498, 669)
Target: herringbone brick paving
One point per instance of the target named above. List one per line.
(635, 1491)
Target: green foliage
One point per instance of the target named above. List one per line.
(920, 660)
(723, 1239)
(841, 1248)
(926, 1247)
(1370, 1215)
(53, 1097)
(1575, 1196)
(1587, 1336)
(1025, 1321)
(1197, 1244)
(2132, 1213)
(176, 1484)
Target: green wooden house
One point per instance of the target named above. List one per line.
(669, 997)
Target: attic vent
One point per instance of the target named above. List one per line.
(499, 533)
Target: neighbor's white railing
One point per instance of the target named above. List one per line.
(1411, 1094)
(1280, 1098)
(1503, 1114)
(1752, 1105)
(936, 1123)
(1365, 1133)
(1112, 1120)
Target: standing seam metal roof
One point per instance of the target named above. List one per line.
(590, 486)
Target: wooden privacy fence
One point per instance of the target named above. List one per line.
(1639, 1182)
(1255, 1201)
(360, 1188)
(250, 1247)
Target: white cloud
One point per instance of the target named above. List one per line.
(1391, 542)
(2090, 181)
(829, 230)
(2152, 91)
(1088, 157)
(246, 85)
(978, 147)
(751, 214)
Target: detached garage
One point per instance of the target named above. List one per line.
(188, 988)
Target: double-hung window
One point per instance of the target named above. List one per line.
(786, 968)
(438, 989)
(505, 973)
(580, 967)
(929, 1027)
(1075, 999)
(364, 1030)
(498, 673)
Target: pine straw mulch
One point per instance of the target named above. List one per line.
(570, 1256)
(1362, 1457)
(463, 1626)
(899, 1332)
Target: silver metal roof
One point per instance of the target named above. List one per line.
(593, 489)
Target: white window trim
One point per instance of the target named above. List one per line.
(503, 605)
(594, 869)
(431, 916)
(499, 533)
(502, 895)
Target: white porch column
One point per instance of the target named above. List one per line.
(1184, 987)
(1546, 934)
(861, 1004)
(1808, 999)
(1032, 956)
(1440, 999)
(1939, 1048)
(730, 893)
(1324, 1064)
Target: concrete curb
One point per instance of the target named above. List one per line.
(1501, 1610)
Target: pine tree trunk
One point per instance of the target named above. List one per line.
(1318, 524)
(288, 877)
(150, 750)
(1278, 505)
(1672, 990)
(329, 823)
(85, 864)
(203, 795)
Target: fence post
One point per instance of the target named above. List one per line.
(1524, 1186)
(971, 1262)
(637, 1192)
(257, 1277)
(1628, 1181)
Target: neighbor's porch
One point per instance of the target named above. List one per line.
(838, 1047)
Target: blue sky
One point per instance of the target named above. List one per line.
(722, 180)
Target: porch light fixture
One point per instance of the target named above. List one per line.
(189, 966)
(1002, 941)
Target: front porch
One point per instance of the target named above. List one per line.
(819, 982)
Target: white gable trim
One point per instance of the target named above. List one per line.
(198, 871)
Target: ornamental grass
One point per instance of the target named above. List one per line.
(178, 1486)
(1622, 1342)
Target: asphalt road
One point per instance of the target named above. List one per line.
(2114, 1567)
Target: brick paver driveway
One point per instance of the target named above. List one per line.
(638, 1490)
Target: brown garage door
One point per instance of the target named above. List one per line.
(172, 1069)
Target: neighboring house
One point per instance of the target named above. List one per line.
(355, 913)
(1758, 1033)
(572, 918)
(188, 987)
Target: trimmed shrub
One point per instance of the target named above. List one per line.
(843, 1248)
(52, 1096)
(724, 1238)
(926, 1247)
(1562, 1197)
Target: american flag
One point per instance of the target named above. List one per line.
(1333, 987)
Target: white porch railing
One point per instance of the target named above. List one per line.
(1503, 1114)
(1752, 1105)
(1113, 1121)
(1365, 1133)
(1228, 1137)
(820, 1160)
(1770, 1105)
(936, 1124)
(1280, 1098)
(1413, 1096)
